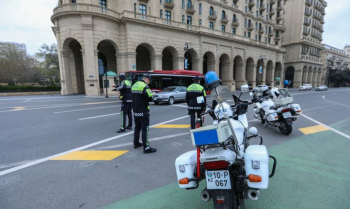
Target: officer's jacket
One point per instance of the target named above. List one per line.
(141, 96)
(125, 91)
(193, 91)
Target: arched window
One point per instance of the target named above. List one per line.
(223, 15)
(189, 4)
(74, 1)
(249, 23)
(260, 26)
(200, 8)
(234, 18)
(103, 5)
(211, 11)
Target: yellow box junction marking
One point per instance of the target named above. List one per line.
(313, 129)
(172, 126)
(91, 155)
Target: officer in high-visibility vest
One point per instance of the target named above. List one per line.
(195, 91)
(141, 96)
(126, 108)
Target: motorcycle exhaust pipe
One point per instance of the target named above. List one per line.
(205, 195)
(253, 194)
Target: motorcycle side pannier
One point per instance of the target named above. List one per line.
(271, 114)
(256, 161)
(295, 109)
(184, 166)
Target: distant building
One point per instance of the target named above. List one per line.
(13, 45)
(347, 52)
(334, 60)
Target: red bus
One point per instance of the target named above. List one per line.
(164, 78)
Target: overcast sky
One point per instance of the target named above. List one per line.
(28, 22)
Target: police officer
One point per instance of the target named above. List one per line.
(193, 92)
(126, 97)
(141, 96)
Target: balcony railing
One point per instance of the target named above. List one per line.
(308, 13)
(278, 37)
(272, 12)
(261, 31)
(251, 3)
(86, 8)
(169, 4)
(262, 8)
(308, 3)
(224, 19)
(272, 2)
(250, 27)
(213, 16)
(306, 32)
(279, 7)
(270, 34)
(307, 22)
(318, 7)
(190, 9)
(280, 27)
(235, 23)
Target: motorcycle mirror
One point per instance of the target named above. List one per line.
(244, 88)
(253, 131)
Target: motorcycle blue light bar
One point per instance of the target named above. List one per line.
(212, 80)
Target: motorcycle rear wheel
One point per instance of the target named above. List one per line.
(285, 128)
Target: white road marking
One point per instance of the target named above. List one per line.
(15, 164)
(154, 139)
(332, 129)
(315, 92)
(11, 170)
(86, 109)
(324, 97)
(27, 100)
(100, 116)
(180, 106)
(50, 107)
(317, 108)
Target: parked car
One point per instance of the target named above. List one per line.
(170, 95)
(322, 88)
(304, 87)
(261, 87)
(309, 86)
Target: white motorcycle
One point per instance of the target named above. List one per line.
(232, 170)
(276, 112)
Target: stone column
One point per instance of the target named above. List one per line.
(240, 79)
(90, 73)
(297, 78)
(66, 83)
(263, 82)
(156, 62)
(195, 64)
(253, 77)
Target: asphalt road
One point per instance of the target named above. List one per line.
(311, 173)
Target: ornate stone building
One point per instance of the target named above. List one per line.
(334, 60)
(235, 38)
(304, 20)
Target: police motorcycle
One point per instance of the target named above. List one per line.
(275, 108)
(232, 169)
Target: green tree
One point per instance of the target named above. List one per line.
(48, 55)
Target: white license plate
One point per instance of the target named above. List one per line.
(287, 115)
(218, 179)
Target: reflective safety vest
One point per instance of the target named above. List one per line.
(141, 96)
(125, 91)
(193, 91)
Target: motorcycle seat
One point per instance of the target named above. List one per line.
(273, 108)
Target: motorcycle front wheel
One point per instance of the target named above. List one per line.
(285, 128)
(262, 116)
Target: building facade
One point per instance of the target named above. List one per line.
(13, 45)
(234, 38)
(302, 41)
(347, 52)
(334, 61)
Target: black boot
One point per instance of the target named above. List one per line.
(149, 150)
(129, 127)
(121, 131)
(137, 145)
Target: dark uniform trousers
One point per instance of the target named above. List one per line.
(192, 113)
(126, 109)
(141, 124)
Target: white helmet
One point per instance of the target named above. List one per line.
(275, 92)
(221, 109)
